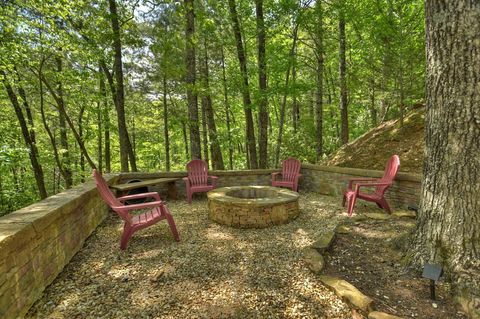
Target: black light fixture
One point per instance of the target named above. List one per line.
(432, 272)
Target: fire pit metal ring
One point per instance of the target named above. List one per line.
(252, 206)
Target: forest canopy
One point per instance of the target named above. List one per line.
(147, 85)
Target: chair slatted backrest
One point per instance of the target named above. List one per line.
(391, 170)
(197, 172)
(107, 194)
(290, 169)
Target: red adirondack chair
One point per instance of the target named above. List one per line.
(290, 174)
(157, 210)
(381, 185)
(197, 178)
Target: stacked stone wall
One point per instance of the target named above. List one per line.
(37, 241)
(333, 181)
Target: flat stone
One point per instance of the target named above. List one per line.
(378, 216)
(324, 242)
(381, 315)
(314, 260)
(348, 292)
(342, 229)
(405, 213)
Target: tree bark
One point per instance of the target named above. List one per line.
(126, 150)
(247, 103)
(262, 84)
(448, 226)
(319, 82)
(342, 74)
(27, 136)
(193, 122)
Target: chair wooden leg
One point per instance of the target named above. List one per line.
(189, 197)
(351, 204)
(127, 234)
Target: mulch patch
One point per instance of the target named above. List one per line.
(369, 255)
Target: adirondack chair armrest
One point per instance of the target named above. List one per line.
(358, 185)
(355, 180)
(153, 195)
(128, 208)
(214, 179)
(187, 181)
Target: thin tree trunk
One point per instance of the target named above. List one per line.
(67, 119)
(80, 133)
(227, 112)
(106, 118)
(33, 154)
(342, 74)
(99, 137)
(262, 84)
(372, 107)
(51, 136)
(66, 163)
(319, 82)
(285, 94)
(193, 122)
(204, 132)
(185, 139)
(448, 227)
(295, 106)
(165, 125)
(216, 152)
(126, 151)
(247, 103)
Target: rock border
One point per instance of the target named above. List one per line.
(315, 261)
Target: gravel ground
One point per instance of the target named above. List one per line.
(213, 272)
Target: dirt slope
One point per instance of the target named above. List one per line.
(372, 149)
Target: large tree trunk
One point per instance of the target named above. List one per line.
(247, 103)
(448, 225)
(126, 150)
(27, 136)
(193, 122)
(262, 84)
(227, 112)
(342, 74)
(216, 152)
(319, 82)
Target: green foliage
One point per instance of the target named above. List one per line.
(385, 67)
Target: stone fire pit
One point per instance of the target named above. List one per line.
(252, 206)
